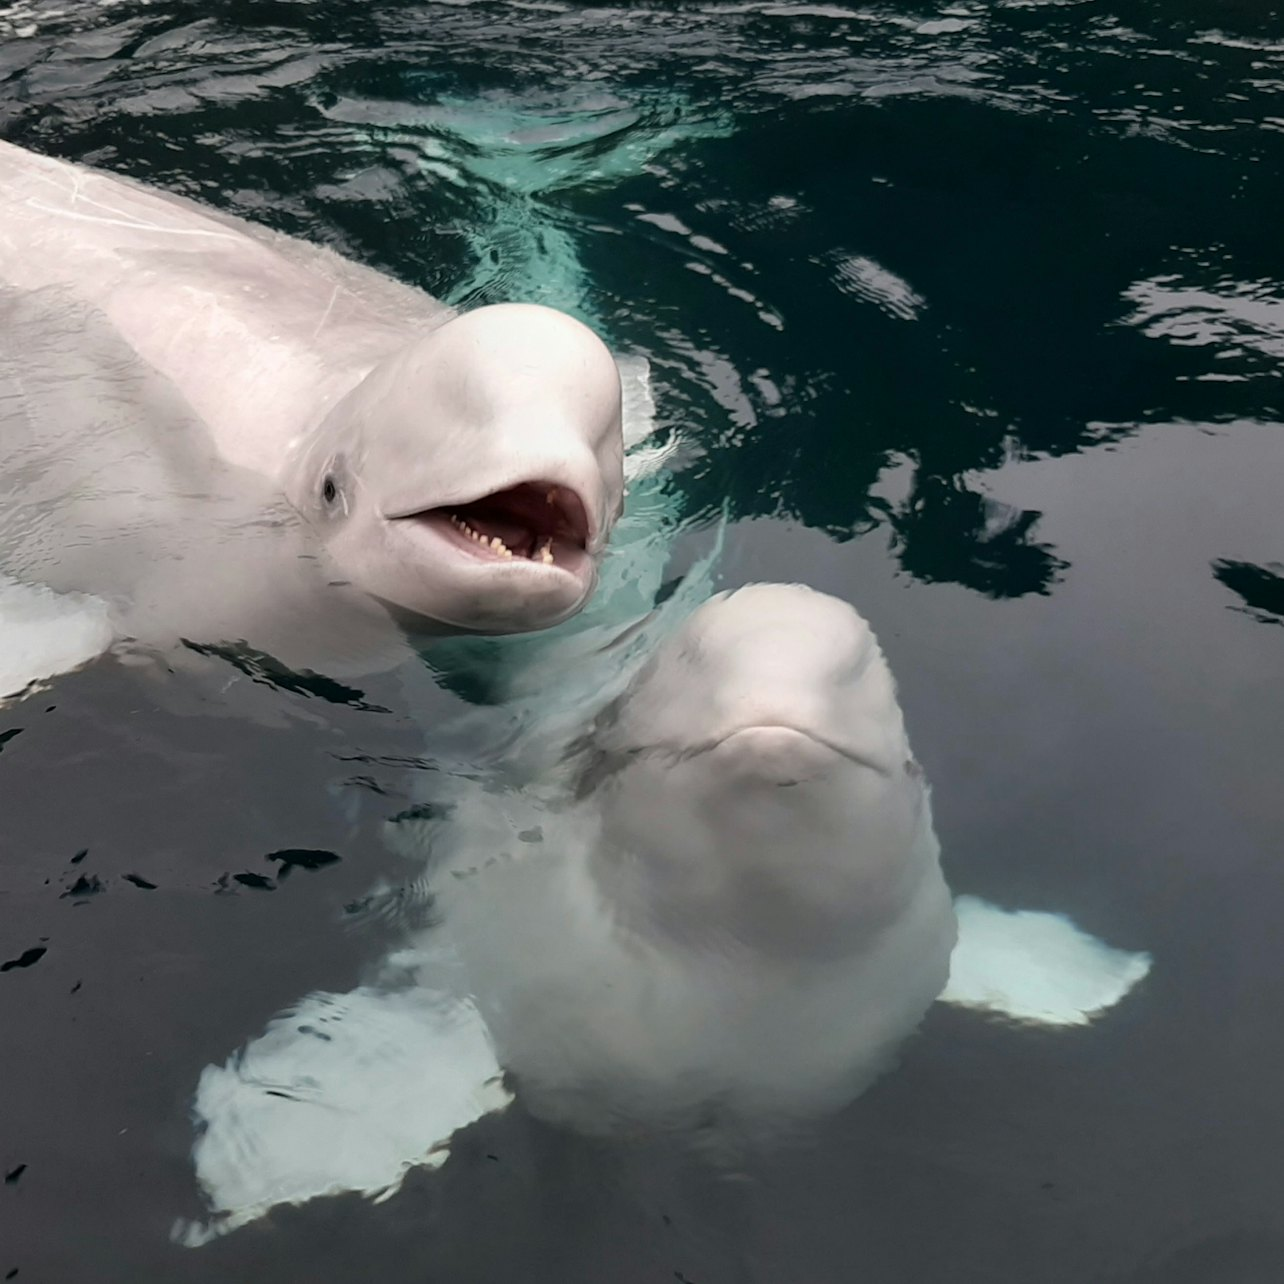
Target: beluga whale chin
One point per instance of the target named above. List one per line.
(465, 469)
(722, 921)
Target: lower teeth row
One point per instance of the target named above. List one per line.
(544, 553)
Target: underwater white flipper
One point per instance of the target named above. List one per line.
(343, 1093)
(1037, 967)
(44, 634)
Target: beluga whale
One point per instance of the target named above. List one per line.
(719, 917)
(464, 470)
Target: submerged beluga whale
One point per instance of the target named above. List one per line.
(465, 469)
(721, 917)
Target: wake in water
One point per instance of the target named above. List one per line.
(513, 156)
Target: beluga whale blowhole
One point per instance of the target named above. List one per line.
(719, 918)
(465, 469)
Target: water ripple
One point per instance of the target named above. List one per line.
(1016, 56)
(1240, 321)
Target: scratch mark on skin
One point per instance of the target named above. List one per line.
(325, 316)
(131, 224)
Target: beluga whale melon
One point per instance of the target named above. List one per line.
(464, 470)
(720, 917)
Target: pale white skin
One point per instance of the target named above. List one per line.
(734, 918)
(750, 913)
(375, 410)
(118, 520)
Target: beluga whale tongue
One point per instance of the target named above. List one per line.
(473, 476)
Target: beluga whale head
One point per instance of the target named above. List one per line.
(741, 914)
(472, 477)
(758, 785)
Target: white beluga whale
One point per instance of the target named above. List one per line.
(720, 916)
(464, 469)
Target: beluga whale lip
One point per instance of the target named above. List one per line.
(794, 753)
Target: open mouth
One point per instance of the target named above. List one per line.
(538, 522)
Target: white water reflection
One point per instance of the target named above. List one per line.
(1238, 318)
(869, 281)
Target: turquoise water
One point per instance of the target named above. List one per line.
(972, 314)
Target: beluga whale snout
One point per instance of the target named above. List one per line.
(473, 476)
(767, 659)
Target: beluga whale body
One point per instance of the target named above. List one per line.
(720, 917)
(464, 469)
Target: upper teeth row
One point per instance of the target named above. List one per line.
(497, 545)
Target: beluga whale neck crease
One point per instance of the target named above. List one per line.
(466, 469)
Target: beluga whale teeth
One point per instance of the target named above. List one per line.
(537, 522)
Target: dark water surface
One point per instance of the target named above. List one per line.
(974, 315)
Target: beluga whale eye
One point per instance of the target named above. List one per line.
(334, 487)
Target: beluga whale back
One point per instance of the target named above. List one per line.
(465, 469)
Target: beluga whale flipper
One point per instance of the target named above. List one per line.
(463, 469)
(721, 919)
